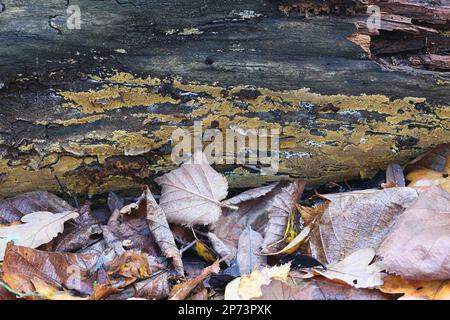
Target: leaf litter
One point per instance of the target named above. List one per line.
(279, 241)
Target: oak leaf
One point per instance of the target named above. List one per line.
(37, 228)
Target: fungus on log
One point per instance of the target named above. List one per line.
(96, 106)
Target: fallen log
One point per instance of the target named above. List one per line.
(96, 106)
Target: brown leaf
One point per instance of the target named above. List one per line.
(251, 194)
(278, 210)
(431, 169)
(38, 228)
(59, 270)
(250, 286)
(191, 194)
(154, 288)
(325, 290)
(182, 290)
(429, 290)
(133, 264)
(394, 176)
(13, 209)
(226, 252)
(248, 257)
(158, 226)
(231, 223)
(357, 220)
(418, 247)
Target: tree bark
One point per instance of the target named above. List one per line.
(96, 106)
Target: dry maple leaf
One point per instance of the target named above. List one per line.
(182, 290)
(357, 220)
(158, 227)
(429, 290)
(278, 211)
(249, 246)
(37, 228)
(250, 286)
(355, 270)
(418, 247)
(191, 194)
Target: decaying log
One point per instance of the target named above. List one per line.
(96, 106)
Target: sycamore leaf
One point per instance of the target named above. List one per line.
(191, 194)
(37, 228)
(418, 247)
(355, 270)
(429, 290)
(357, 220)
(278, 211)
(250, 286)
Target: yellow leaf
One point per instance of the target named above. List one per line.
(250, 286)
(429, 290)
(426, 178)
(204, 252)
(51, 293)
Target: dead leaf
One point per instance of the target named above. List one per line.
(250, 286)
(154, 288)
(248, 257)
(278, 210)
(133, 264)
(82, 232)
(50, 293)
(394, 176)
(231, 223)
(37, 228)
(357, 220)
(309, 214)
(158, 227)
(296, 242)
(355, 270)
(418, 247)
(325, 290)
(191, 194)
(59, 270)
(224, 251)
(181, 291)
(13, 209)
(251, 194)
(432, 169)
(429, 290)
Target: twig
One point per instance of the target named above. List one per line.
(21, 295)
